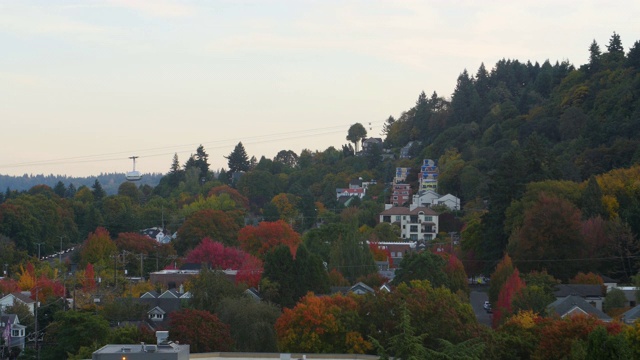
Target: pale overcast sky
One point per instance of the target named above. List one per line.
(86, 84)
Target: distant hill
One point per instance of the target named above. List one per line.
(110, 182)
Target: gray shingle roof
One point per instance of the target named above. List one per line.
(569, 304)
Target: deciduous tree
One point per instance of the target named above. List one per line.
(202, 330)
(327, 324)
(213, 224)
(257, 240)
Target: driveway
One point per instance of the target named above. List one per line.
(478, 297)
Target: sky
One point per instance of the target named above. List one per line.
(84, 85)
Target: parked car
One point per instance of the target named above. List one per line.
(487, 307)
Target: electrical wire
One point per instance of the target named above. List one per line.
(162, 151)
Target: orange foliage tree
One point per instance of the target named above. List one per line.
(97, 248)
(557, 336)
(587, 279)
(381, 253)
(257, 240)
(326, 324)
(215, 224)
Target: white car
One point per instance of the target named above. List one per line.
(487, 305)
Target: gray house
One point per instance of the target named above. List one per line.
(575, 305)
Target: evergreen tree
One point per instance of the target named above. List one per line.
(633, 57)
(238, 160)
(201, 161)
(594, 57)
(279, 270)
(70, 192)
(59, 189)
(591, 201)
(98, 191)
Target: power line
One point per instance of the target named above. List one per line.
(162, 151)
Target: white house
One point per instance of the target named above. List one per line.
(21, 297)
(416, 223)
(450, 201)
(429, 198)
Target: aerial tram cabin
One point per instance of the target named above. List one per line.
(133, 175)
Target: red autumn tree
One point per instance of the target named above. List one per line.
(257, 240)
(499, 277)
(220, 257)
(89, 279)
(8, 285)
(202, 330)
(47, 289)
(250, 272)
(510, 289)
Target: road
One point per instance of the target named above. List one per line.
(478, 297)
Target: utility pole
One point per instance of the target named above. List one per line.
(36, 324)
(39, 249)
(60, 254)
(141, 266)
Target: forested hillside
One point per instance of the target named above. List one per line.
(545, 158)
(109, 182)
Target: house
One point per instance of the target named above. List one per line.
(425, 198)
(428, 176)
(401, 195)
(401, 174)
(416, 223)
(430, 198)
(159, 234)
(405, 152)
(152, 294)
(21, 297)
(361, 288)
(631, 315)
(397, 251)
(175, 294)
(573, 305)
(158, 310)
(369, 143)
(450, 201)
(593, 294)
(253, 294)
(174, 278)
(360, 192)
(13, 333)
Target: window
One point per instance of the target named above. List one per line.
(428, 218)
(17, 333)
(414, 228)
(397, 217)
